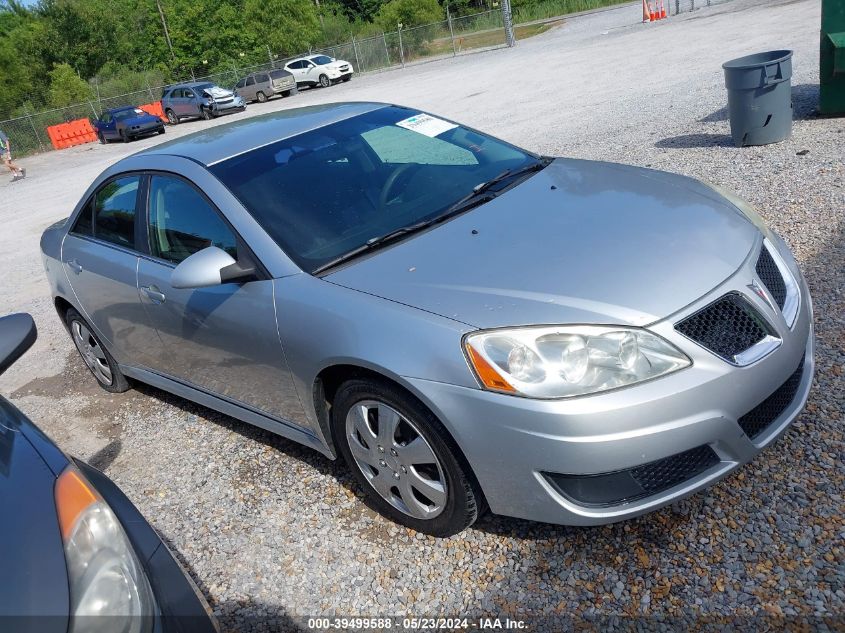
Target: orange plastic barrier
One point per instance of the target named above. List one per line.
(71, 133)
(154, 109)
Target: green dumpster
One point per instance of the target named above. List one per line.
(832, 58)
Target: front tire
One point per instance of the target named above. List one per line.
(205, 113)
(95, 355)
(124, 136)
(325, 82)
(347, 78)
(403, 458)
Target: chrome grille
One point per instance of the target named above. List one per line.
(769, 274)
(727, 327)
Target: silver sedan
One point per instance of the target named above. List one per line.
(467, 324)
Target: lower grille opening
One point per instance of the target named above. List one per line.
(761, 417)
(624, 486)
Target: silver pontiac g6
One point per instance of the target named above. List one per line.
(467, 324)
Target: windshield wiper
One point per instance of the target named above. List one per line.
(479, 195)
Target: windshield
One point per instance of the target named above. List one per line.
(328, 192)
(321, 60)
(128, 114)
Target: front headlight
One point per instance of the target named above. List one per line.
(567, 361)
(104, 574)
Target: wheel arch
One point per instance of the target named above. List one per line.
(330, 378)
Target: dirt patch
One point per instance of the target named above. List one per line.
(76, 380)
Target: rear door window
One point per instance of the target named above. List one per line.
(114, 211)
(250, 81)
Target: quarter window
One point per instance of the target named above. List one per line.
(114, 211)
(182, 222)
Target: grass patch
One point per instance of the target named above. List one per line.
(483, 39)
(552, 8)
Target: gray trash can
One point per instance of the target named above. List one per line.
(760, 97)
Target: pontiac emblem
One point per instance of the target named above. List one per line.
(758, 290)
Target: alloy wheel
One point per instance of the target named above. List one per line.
(325, 82)
(396, 459)
(91, 352)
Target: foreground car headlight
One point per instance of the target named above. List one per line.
(104, 574)
(566, 361)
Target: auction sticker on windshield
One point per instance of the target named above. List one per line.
(426, 124)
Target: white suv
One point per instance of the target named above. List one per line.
(319, 70)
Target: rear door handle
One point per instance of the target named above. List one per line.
(75, 266)
(155, 295)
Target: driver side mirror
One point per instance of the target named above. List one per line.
(17, 334)
(211, 266)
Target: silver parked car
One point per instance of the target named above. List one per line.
(467, 324)
(261, 86)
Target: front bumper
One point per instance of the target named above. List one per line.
(513, 444)
(147, 128)
(229, 106)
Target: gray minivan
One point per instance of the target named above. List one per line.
(261, 86)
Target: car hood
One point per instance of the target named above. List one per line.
(142, 119)
(219, 93)
(31, 547)
(579, 242)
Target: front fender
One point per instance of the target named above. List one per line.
(322, 324)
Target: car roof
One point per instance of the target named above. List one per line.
(122, 109)
(191, 84)
(218, 143)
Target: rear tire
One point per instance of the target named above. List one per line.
(261, 97)
(325, 82)
(286, 93)
(95, 355)
(171, 116)
(409, 468)
(101, 138)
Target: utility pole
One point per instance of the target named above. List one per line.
(270, 55)
(401, 50)
(507, 19)
(166, 31)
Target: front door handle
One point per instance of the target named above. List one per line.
(155, 295)
(75, 266)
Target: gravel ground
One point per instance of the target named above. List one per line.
(268, 528)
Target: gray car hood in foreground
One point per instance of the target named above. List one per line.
(579, 242)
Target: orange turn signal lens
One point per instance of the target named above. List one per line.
(73, 496)
(486, 372)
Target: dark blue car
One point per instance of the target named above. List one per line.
(75, 554)
(126, 124)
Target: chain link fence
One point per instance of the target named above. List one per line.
(685, 6)
(453, 36)
(450, 37)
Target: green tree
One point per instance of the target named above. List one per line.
(408, 13)
(286, 26)
(66, 87)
